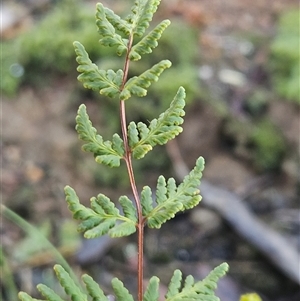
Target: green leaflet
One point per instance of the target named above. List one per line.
(109, 37)
(149, 42)
(48, 293)
(171, 199)
(137, 85)
(117, 22)
(105, 82)
(68, 284)
(152, 291)
(168, 125)
(105, 152)
(103, 217)
(93, 289)
(175, 284)
(121, 292)
(195, 291)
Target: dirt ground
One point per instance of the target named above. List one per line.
(40, 154)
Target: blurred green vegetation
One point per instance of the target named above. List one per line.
(46, 50)
(258, 141)
(285, 57)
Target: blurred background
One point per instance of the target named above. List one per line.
(239, 64)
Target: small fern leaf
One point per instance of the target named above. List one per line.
(168, 125)
(199, 291)
(137, 85)
(175, 284)
(107, 206)
(117, 22)
(128, 208)
(70, 287)
(152, 291)
(105, 152)
(141, 150)
(105, 82)
(171, 199)
(189, 282)
(166, 208)
(95, 292)
(189, 188)
(48, 293)
(146, 200)
(149, 42)
(98, 230)
(109, 37)
(209, 284)
(103, 216)
(125, 228)
(79, 211)
(120, 291)
(142, 14)
(25, 297)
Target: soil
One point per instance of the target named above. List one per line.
(41, 154)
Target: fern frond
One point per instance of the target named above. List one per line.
(109, 37)
(105, 152)
(120, 291)
(149, 42)
(171, 199)
(70, 287)
(195, 291)
(141, 15)
(93, 289)
(103, 216)
(105, 82)
(168, 125)
(137, 85)
(152, 291)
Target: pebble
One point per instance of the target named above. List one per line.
(206, 219)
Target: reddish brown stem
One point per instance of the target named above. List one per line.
(128, 160)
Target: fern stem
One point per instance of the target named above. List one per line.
(140, 225)
(128, 160)
(126, 64)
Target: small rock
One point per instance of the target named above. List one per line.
(232, 77)
(206, 219)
